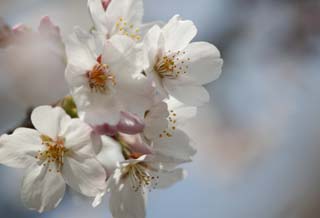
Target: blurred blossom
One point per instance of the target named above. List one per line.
(35, 63)
(5, 34)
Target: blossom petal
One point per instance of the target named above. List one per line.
(79, 52)
(19, 149)
(151, 45)
(124, 201)
(183, 112)
(47, 119)
(122, 56)
(187, 92)
(85, 175)
(77, 135)
(205, 63)
(168, 178)
(42, 190)
(110, 154)
(156, 120)
(98, 15)
(176, 148)
(130, 10)
(99, 113)
(178, 33)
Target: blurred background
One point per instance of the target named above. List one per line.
(258, 139)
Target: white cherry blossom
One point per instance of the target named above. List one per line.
(142, 162)
(114, 17)
(131, 182)
(133, 175)
(105, 80)
(177, 67)
(57, 152)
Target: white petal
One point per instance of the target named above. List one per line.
(19, 149)
(205, 63)
(86, 176)
(168, 178)
(145, 27)
(187, 92)
(80, 50)
(177, 148)
(77, 135)
(122, 56)
(75, 76)
(183, 112)
(110, 154)
(151, 45)
(102, 112)
(124, 201)
(130, 10)
(98, 15)
(47, 119)
(156, 120)
(178, 33)
(42, 190)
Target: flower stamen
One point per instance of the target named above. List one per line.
(54, 152)
(128, 29)
(140, 176)
(170, 65)
(99, 76)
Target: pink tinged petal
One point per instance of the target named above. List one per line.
(176, 149)
(42, 190)
(84, 175)
(47, 119)
(46, 27)
(204, 63)
(19, 149)
(130, 124)
(110, 154)
(186, 91)
(105, 4)
(20, 29)
(124, 201)
(178, 33)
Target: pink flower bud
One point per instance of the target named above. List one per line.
(130, 124)
(105, 4)
(136, 144)
(105, 129)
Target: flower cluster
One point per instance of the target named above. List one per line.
(119, 133)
